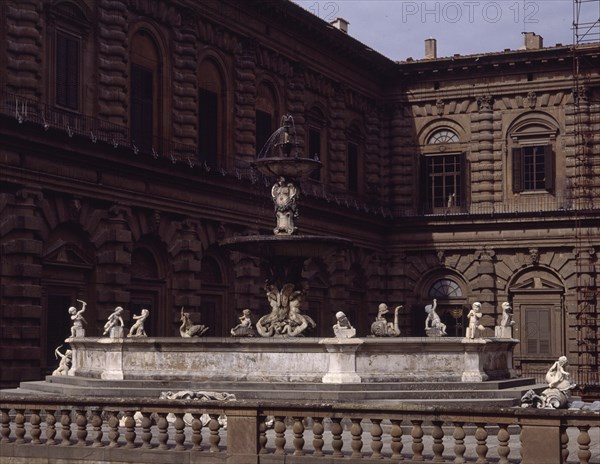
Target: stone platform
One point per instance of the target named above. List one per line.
(317, 360)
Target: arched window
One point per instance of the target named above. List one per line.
(533, 143)
(145, 84)
(68, 29)
(445, 288)
(211, 114)
(444, 171)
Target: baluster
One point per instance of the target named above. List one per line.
(65, 422)
(336, 439)
(564, 443)
(5, 429)
(356, 431)
(50, 427)
(318, 441)
(35, 420)
(20, 426)
(279, 429)
(298, 430)
(179, 426)
(459, 442)
(396, 434)
(262, 434)
(437, 433)
(196, 433)
(163, 431)
(81, 422)
(481, 449)
(96, 421)
(376, 443)
(113, 429)
(214, 437)
(503, 439)
(417, 440)
(583, 440)
(129, 429)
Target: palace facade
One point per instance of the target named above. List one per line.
(127, 136)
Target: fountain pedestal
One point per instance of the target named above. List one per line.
(342, 360)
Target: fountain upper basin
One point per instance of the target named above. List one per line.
(293, 246)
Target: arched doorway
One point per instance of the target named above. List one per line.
(450, 293)
(213, 301)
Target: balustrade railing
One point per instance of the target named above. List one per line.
(140, 430)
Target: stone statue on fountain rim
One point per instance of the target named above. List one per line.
(284, 196)
(285, 318)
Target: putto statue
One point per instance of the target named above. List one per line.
(114, 324)
(137, 329)
(381, 327)
(284, 196)
(504, 330)
(556, 396)
(187, 329)
(65, 361)
(434, 327)
(475, 328)
(285, 318)
(342, 328)
(77, 329)
(244, 328)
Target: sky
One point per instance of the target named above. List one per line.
(398, 28)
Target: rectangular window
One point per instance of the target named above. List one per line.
(537, 327)
(314, 149)
(533, 168)
(444, 181)
(142, 116)
(352, 167)
(67, 71)
(208, 131)
(264, 129)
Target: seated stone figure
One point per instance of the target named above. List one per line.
(433, 324)
(381, 327)
(244, 328)
(557, 377)
(342, 328)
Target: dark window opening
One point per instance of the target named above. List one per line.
(537, 323)
(533, 168)
(67, 71)
(314, 150)
(142, 116)
(208, 132)
(264, 129)
(443, 181)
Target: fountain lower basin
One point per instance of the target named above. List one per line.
(325, 360)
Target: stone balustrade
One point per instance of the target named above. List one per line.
(148, 431)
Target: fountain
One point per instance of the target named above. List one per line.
(282, 354)
(284, 253)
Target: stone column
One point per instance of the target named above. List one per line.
(482, 156)
(245, 97)
(185, 249)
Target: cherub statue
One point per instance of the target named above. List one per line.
(507, 315)
(137, 329)
(433, 323)
(77, 318)
(65, 361)
(284, 198)
(381, 327)
(244, 328)
(557, 377)
(474, 316)
(114, 320)
(342, 328)
(187, 329)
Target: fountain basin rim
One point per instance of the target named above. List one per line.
(293, 246)
(292, 167)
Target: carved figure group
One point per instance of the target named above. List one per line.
(433, 323)
(65, 361)
(187, 329)
(285, 318)
(342, 328)
(381, 327)
(284, 196)
(77, 318)
(556, 396)
(137, 329)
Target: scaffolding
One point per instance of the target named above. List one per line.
(586, 31)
